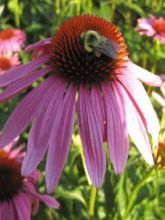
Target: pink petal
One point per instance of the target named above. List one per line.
(25, 112)
(162, 76)
(116, 126)
(98, 102)
(145, 26)
(137, 130)
(41, 129)
(60, 137)
(141, 98)
(34, 177)
(36, 205)
(48, 200)
(12, 211)
(91, 136)
(22, 83)
(144, 75)
(7, 211)
(23, 206)
(38, 44)
(16, 73)
(159, 98)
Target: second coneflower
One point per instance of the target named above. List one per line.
(87, 55)
(19, 198)
(7, 62)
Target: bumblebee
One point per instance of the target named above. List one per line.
(97, 44)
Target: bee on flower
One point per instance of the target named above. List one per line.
(86, 58)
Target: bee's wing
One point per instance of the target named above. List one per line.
(109, 48)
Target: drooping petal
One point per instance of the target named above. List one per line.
(21, 84)
(41, 129)
(6, 211)
(23, 206)
(25, 112)
(38, 44)
(143, 74)
(60, 137)
(159, 98)
(136, 129)
(91, 136)
(140, 96)
(12, 211)
(117, 134)
(48, 200)
(16, 73)
(98, 102)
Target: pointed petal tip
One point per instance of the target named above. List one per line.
(99, 185)
(50, 188)
(26, 170)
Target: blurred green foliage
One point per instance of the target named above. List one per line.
(139, 193)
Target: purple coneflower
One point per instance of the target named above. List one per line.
(86, 56)
(7, 62)
(18, 196)
(152, 27)
(11, 40)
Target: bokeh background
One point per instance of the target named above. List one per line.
(139, 193)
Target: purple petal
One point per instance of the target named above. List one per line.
(25, 112)
(91, 136)
(23, 206)
(98, 102)
(141, 98)
(137, 130)
(38, 44)
(5, 211)
(16, 73)
(41, 129)
(48, 200)
(21, 84)
(116, 126)
(60, 137)
(143, 74)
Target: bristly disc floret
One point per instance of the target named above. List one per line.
(77, 65)
(10, 178)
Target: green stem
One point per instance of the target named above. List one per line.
(92, 201)
(78, 4)
(154, 66)
(149, 177)
(156, 50)
(113, 8)
(144, 61)
(89, 6)
(57, 7)
(16, 13)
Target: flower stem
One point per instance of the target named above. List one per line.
(57, 7)
(78, 7)
(92, 200)
(16, 13)
(149, 177)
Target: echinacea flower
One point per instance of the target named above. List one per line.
(7, 62)
(18, 196)
(152, 27)
(11, 40)
(87, 55)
